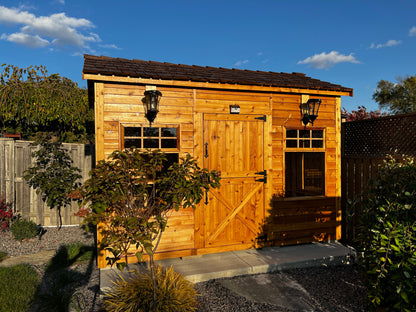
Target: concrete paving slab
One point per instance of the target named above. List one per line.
(279, 290)
(34, 259)
(243, 262)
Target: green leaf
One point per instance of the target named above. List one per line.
(121, 265)
(139, 256)
(404, 296)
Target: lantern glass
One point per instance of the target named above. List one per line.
(310, 110)
(152, 99)
(314, 106)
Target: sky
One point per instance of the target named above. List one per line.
(353, 43)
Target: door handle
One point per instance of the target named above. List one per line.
(206, 150)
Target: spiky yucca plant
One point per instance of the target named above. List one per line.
(135, 294)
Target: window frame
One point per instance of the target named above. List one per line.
(298, 138)
(159, 137)
(303, 150)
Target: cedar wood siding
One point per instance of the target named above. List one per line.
(118, 103)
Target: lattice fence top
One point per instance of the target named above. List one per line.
(380, 136)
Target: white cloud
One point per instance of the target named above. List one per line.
(25, 39)
(239, 63)
(327, 60)
(412, 31)
(39, 31)
(109, 46)
(390, 43)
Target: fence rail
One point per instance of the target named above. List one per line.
(15, 158)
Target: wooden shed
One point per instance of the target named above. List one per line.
(280, 179)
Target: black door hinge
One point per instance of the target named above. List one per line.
(264, 118)
(264, 174)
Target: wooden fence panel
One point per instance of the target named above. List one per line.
(357, 172)
(15, 158)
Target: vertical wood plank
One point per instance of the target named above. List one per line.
(338, 233)
(99, 120)
(198, 154)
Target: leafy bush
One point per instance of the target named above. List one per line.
(388, 236)
(18, 286)
(6, 214)
(174, 293)
(24, 229)
(3, 256)
(69, 254)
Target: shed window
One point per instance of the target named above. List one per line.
(305, 138)
(164, 138)
(305, 174)
(305, 162)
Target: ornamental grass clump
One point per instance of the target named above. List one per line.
(174, 293)
(388, 236)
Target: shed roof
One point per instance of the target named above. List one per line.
(108, 66)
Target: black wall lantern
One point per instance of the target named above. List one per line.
(310, 110)
(151, 104)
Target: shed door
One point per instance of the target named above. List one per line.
(233, 144)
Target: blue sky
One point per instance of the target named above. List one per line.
(352, 43)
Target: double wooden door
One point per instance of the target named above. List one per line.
(233, 213)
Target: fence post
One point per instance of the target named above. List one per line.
(7, 168)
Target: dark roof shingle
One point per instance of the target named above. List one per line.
(108, 66)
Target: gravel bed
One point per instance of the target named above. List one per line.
(332, 289)
(50, 239)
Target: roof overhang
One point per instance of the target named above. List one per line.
(211, 85)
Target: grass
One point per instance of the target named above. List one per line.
(18, 285)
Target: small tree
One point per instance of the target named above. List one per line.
(399, 97)
(362, 113)
(388, 236)
(32, 101)
(53, 175)
(132, 195)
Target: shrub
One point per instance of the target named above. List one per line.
(68, 254)
(388, 236)
(24, 229)
(6, 214)
(18, 286)
(174, 293)
(3, 256)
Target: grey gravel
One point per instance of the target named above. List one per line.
(332, 289)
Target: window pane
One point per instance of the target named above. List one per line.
(132, 143)
(169, 143)
(169, 132)
(317, 143)
(291, 133)
(150, 132)
(304, 134)
(318, 133)
(291, 143)
(304, 143)
(132, 131)
(304, 174)
(151, 143)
